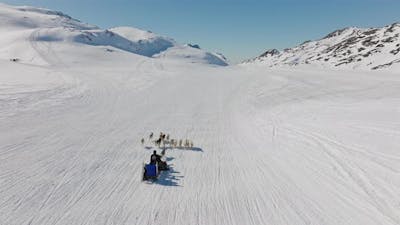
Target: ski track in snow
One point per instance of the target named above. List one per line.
(272, 146)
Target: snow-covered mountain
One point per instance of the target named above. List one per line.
(192, 54)
(147, 43)
(24, 28)
(373, 48)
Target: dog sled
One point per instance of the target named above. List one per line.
(150, 172)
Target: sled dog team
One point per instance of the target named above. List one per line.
(164, 140)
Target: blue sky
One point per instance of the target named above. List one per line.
(239, 29)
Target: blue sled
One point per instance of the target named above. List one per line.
(150, 172)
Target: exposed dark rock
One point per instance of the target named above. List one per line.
(389, 40)
(395, 51)
(335, 33)
(194, 46)
(392, 27)
(369, 32)
(305, 42)
(270, 52)
(386, 65)
(368, 42)
(370, 52)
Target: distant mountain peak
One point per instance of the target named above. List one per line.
(270, 52)
(339, 32)
(194, 46)
(43, 11)
(351, 47)
(43, 25)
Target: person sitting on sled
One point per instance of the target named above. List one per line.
(155, 158)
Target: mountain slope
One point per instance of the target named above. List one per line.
(355, 48)
(25, 28)
(192, 54)
(147, 42)
(24, 17)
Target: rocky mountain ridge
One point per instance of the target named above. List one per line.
(355, 48)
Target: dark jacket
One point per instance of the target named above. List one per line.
(154, 158)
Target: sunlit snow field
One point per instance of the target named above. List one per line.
(299, 145)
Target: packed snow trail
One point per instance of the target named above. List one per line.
(272, 147)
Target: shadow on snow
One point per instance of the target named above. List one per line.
(169, 177)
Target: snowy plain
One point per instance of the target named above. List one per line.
(299, 145)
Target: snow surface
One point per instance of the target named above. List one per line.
(278, 146)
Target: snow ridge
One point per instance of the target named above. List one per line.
(20, 25)
(355, 48)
